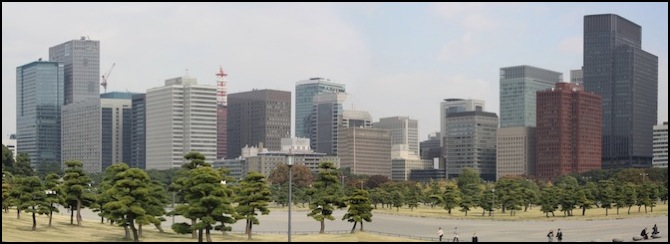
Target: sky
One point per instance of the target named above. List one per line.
(396, 59)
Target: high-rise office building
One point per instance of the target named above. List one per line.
(430, 148)
(39, 98)
(661, 145)
(470, 142)
(304, 97)
(81, 61)
(365, 151)
(568, 131)
(515, 152)
(116, 130)
(626, 77)
(403, 130)
(258, 116)
(180, 118)
(453, 105)
(518, 87)
(81, 131)
(356, 118)
(138, 132)
(326, 117)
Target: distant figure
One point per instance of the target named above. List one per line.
(654, 230)
(550, 235)
(559, 235)
(440, 233)
(475, 238)
(455, 234)
(644, 233)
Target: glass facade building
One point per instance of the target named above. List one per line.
(39, 98)
(304, 95)
(626, 77)
(81, 60)
(518, 88)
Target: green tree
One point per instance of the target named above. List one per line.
(52, 185)
(567, 186)
(33, 199)
(20, 166)
(7, 157)
(548, 200)
(77, 187)
(451, 197)
(360, 209)
(606, 195)
(6, 189)
(253, 197)
(179, 186)
(326, 194)
(129, 197)
(586, 196)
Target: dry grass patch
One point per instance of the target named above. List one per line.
(531, 214)
(19, 230)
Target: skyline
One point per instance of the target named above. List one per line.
(427, 52)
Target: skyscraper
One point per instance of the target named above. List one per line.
(470, 142)
(81, 59)
(626, 77)
(325, 118)
(568, 131)
(518, 86)
(180, 118)
(116, 118)
(39, 98)
(661, 145)
(138, 132)
(304, 97)
(258, 116)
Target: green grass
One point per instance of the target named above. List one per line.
(531, 214)
(19, 230)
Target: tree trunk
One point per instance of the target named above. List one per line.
(102, 220)
(34, 220)
(51, 214)
(249, 224)
(199, 235)
(361, 225)
(583, 211)
(71, 215)
(79, 212)
(628, 209)
(159, 227)
(207, 234)
(194, 233)
(246, 227)
(127, 232)
(139, 230)
(323, 227)
(354, 228)
(18, 213)
(136, 237)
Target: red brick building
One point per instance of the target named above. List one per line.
(568, 131)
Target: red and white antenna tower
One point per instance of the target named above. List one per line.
(221, 98)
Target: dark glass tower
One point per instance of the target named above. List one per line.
(616, 68)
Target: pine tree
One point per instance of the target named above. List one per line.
(326, 195)
(360, 208)
(254, 195)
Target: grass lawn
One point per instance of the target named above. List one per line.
(532, 214)
(19, 230)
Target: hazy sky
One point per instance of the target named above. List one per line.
(396, 59)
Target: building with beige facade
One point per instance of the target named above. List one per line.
(365, 151)
(515, 151)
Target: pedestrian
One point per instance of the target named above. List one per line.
(550, 235)
(475, 238)
(559, 235)
(654, 230)
(644, 233)
(440, 233)
(455, 234)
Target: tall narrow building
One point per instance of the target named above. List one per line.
(138, 132)
(258, 116)
(453, 105)
(518, 87)
(221, 113)
(180, 118)
(116, 118)
(326, 117)
(304, 98)
(81, 60)
(39, 98)
(470, 142)
(626, 77)
(568, 131)
(661, 145)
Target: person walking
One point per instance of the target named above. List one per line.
(440, 233)
(475, 238)
(550, 235)
(559, 235)
(654, 230)
(455, 234)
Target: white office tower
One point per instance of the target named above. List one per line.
(180, 118)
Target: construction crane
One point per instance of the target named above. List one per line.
(105, 77)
